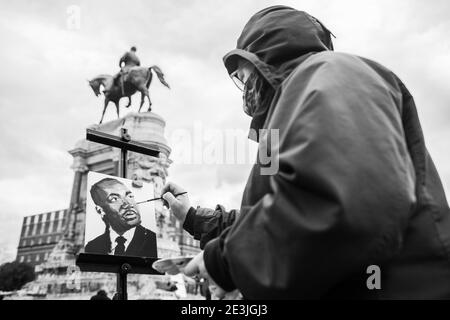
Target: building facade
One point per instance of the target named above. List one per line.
(40, 233)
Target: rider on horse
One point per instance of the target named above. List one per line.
(129, 60)
(136, 77)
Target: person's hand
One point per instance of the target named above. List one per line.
(178, 206)
(196, 268)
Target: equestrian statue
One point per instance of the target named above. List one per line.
(131, 78)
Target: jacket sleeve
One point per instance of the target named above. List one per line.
(341, 198)
(206, 224)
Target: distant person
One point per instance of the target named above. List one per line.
(101, 295)
(123, 234)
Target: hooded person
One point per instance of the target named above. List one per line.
(356, 203)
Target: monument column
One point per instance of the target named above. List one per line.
(76, 206)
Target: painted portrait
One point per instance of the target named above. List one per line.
(118, 220)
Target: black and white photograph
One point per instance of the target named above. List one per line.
(118, 220)
(246, 151)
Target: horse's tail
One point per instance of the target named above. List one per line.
(160, 75)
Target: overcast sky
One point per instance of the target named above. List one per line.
(45, 103)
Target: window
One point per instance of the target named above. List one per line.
(37, 258)
(21, 259)
(31, 242)
(28, 258)
(47, 227)
(49, 239)
(60, 223)
(40, 241)
(30, 230)
(38, 231)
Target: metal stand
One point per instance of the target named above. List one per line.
(122, 265)
(122, 281)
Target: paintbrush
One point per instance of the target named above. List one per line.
(161, 198)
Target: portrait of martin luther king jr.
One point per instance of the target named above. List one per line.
(124, 234)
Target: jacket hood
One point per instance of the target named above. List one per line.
(276, 39)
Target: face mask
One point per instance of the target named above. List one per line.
(251, 95)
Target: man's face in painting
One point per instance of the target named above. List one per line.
(119, 206)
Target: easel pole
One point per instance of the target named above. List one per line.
(123, 163)
(121, 285)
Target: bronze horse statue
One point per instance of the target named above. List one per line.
(137, 79)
